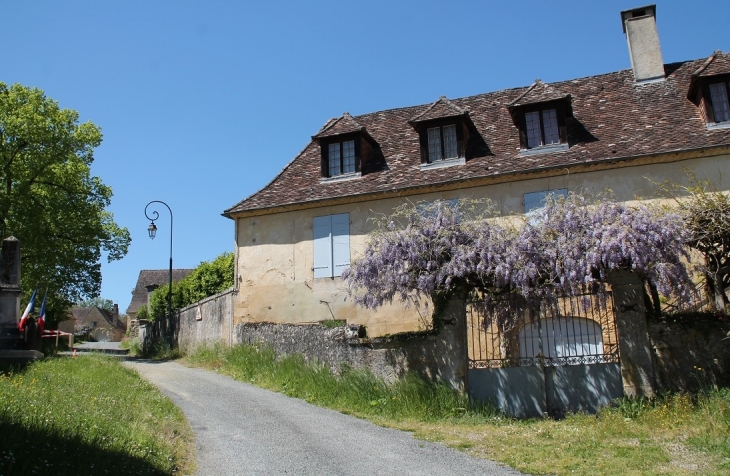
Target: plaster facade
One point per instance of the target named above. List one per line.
(275, 252)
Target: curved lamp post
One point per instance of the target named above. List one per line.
(152, 230)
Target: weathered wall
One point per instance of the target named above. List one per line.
(690, 355)
(275, 252)
(206, 322)
(439, 356)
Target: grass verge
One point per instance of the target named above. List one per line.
(88, 415)
(673, 434)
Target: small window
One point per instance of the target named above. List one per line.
(442, 143)
(341, 158)
(542, 128)
(719, 97)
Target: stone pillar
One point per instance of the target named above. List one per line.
(10, 282)
(451, 345)
(637, 367)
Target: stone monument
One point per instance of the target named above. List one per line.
(13, 344)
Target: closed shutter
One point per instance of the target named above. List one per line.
(340, 243)
(322, 227)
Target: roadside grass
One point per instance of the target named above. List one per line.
(673, 434)
(89, 415)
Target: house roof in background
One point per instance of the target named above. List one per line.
(85, 315)
(148, 277)
(612, 118)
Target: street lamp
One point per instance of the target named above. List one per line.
(152, 230)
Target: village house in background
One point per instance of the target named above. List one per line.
(613, 131)
(147, 281)
(100, 325)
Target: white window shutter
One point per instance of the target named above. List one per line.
(340, 243)
(322, 227)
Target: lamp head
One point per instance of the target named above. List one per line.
(152, 230)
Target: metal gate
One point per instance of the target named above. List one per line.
(532, 362)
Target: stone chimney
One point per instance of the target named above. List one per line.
(150, 289)
(639, 24)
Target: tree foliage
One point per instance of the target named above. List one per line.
(50, 201)
(567, 247)
(99, 302)
(208, 279)
(707, 213)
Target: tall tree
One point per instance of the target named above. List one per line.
(50, 201)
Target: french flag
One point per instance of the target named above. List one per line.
(42, 315)
(28, 309)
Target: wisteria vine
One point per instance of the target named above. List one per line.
(568, 247)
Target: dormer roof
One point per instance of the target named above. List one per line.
(718, 63)
(344, 124)
(440, 109)
(537, 93)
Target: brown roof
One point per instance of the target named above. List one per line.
(439, 109)
(148, 277)
(85, 315)
(539, 92)
(718, 63)
(341, 125)
(612, 118)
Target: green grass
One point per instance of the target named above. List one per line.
(672, 434)
(353, 391)
(88, 415)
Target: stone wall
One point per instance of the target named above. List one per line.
(206, 322)
(436, 356)
(691, 354)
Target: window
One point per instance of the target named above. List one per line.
(331, 245)
(542, 128)
(536, 200)
(442, 143)
(341, 158)
(719, 98)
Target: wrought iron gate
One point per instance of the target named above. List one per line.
(561, 357)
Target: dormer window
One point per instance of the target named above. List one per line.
(542, 128)
(346, 148)
(442, 143)
(443, 133)
(341, 158)
(720, 108)
(540, 115)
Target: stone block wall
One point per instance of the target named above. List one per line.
(206, 322)
(436, 356)
(689, 355)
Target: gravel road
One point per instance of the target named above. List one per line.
(242, 429)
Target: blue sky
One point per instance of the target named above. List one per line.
(202, 103)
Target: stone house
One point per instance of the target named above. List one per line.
(618, 131)
(149, 280)
(102, 325)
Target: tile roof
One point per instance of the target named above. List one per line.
(539, 92)
(612, 118)
(148, 277)
(341, 125)
(718, 63)
(439, 109)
